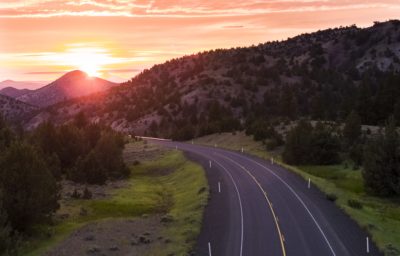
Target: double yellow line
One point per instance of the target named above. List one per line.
(281, 237)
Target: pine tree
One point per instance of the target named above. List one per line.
(298, 144)
(325, 146)
(80, 120)
(7, 136)
(381, 167)
(396, 113)
(352, 129)
(89, 170)
(30, 191)
(353, 142)
(109, 152)
(6, 241)
(46, 138)
(72, 145)
(308, 145)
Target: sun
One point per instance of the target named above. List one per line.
(93, 60)
(90, 68)
(90, 60)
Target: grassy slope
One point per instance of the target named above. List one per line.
(149, 191)
(380, 217)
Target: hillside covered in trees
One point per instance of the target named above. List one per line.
(324, 76)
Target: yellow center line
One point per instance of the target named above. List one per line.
(281, 237)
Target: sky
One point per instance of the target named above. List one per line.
(115, 39)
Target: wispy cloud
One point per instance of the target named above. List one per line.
(45, 73)
(38, 35)
(176, 8)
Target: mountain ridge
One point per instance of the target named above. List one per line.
(31, 85)
(14, 92)
(70, 85)
(321, 75)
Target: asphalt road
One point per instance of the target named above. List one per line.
(259, 208)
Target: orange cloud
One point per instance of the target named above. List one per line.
(176, 8)
(38, 34)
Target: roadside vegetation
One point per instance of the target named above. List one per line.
(32, 165)
(343, 178)
(48, 191)
(156, 187)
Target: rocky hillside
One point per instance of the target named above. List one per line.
(14, 110)
(323, 75)
(71, 85)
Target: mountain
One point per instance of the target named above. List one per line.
(14, 110)
(71, 85)
(323, 75)
(13, 92)
(21, 84)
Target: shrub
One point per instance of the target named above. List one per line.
(76, 194)
(273, 143)
(331, 197)
(87, 194)
(354, 204)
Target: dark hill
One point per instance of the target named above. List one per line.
(71, 85)
(14, 110)
(322, 75)
(14, 92)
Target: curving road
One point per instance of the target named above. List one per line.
(259, 208)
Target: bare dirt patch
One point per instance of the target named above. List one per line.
(112, 237)
(142, 151)
(97, 191)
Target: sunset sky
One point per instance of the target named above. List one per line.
(115, 39)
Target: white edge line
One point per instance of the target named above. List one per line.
(240, 205)
(153, 138)
(299, 198)
(239, 199)
(266, 197)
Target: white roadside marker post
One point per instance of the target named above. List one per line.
(272, 160)
(309, 183)
(219, 187)
(209, 249)
(192, 142)
(210, 163)
(367, 244)
(242, 149)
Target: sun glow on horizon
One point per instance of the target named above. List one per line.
(91, 60)
(88, 60)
